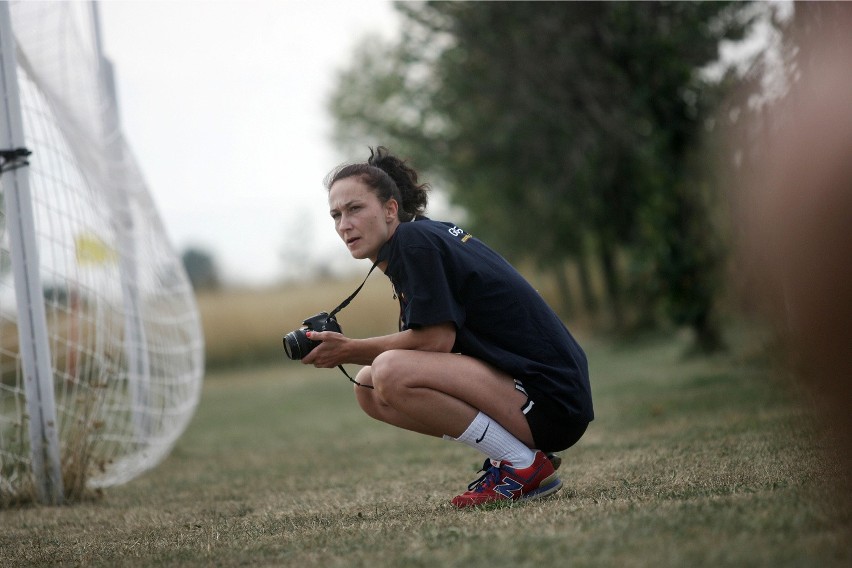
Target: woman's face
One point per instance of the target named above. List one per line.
(362, 221)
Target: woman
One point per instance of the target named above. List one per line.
(480, 358)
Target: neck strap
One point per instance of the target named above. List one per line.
(345, 302)
(382, 255)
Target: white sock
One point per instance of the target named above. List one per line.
(487, 436)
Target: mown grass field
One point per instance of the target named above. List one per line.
(691, 462)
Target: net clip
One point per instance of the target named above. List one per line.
(13, 159)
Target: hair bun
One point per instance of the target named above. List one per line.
(390, 177)
(380, 156)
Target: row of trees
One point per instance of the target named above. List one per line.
(572, 133)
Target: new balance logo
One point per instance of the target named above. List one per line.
(508, 486)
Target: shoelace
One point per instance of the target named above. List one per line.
(487, 479)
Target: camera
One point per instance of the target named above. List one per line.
(297, 344)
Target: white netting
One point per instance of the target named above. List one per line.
(124, 331)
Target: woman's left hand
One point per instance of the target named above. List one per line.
(329, 353)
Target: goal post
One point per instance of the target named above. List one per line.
(32, 322)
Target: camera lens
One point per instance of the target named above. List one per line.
(297, 344)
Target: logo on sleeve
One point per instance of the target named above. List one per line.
(457, 232)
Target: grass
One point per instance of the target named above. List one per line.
(699, 462)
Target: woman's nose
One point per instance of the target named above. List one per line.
(344, 223)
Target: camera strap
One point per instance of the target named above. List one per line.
(353, 380)
(345, 302)
(342, 305)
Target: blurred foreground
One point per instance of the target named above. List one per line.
(795, 216)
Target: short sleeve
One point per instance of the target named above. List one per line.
(428, 297)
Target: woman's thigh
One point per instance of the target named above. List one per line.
(465, 378)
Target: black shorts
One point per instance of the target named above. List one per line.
(552, 430)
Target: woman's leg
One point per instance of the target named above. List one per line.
(440, 393)
(459, 396)
(377, 408)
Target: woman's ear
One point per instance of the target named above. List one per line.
(391, 210)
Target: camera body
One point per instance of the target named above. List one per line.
(297, 344)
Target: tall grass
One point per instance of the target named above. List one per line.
(244, 327)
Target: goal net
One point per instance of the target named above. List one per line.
(122, 330)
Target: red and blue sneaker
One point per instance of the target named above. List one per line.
(502, 482)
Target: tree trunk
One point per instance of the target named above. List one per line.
(566, 298)
(708, 335)
(612, 284)
(590, 302)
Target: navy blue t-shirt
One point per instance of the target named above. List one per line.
(442, 274)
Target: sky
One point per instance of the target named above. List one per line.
(223, 105)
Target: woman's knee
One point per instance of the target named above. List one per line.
(387, 373)
(365, 396)
(370, 399)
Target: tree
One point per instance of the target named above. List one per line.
(567, 130)
(202, 271)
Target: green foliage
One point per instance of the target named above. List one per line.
(565, 129)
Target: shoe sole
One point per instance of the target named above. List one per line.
(543, 491)
(548, 486)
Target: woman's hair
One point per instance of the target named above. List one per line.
(388, 177)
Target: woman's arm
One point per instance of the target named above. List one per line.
(337, 349)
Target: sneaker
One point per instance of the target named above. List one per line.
(502, 482)
(555, 460)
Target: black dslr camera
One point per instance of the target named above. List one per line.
(297, 344)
